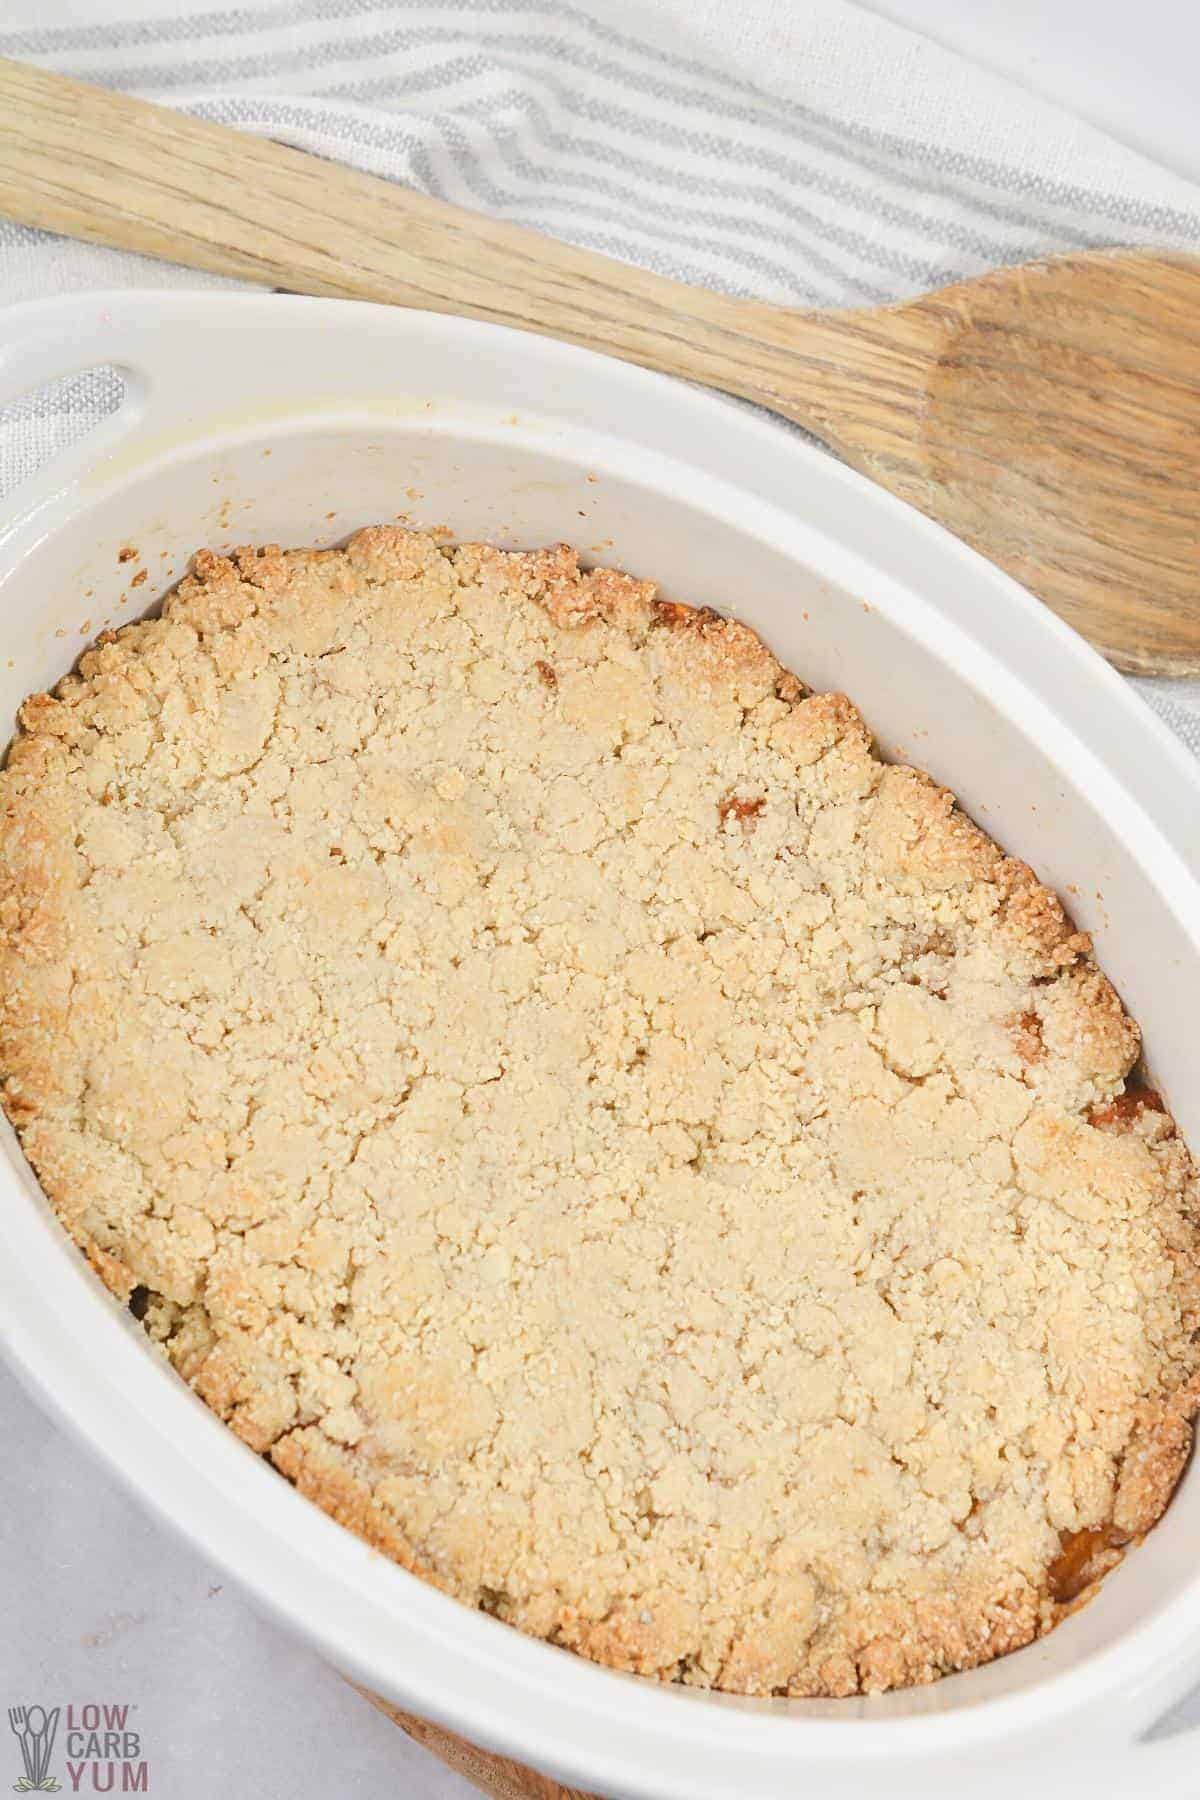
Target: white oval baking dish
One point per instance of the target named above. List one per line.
(268, 418)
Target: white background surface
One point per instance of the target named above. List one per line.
(1128, 66)
(114, 1609)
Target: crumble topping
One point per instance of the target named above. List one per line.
(653, 1169)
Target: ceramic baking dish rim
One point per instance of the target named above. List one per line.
(211, 1484)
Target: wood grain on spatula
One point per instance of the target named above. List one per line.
(496, 1776)
(1047, 414)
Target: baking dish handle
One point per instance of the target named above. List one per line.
(46, 342)
(1170, 1766)
(1111, 1758)
(169, 371)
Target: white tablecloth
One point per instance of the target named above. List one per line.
(810, 152)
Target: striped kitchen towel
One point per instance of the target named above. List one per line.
(814, 154)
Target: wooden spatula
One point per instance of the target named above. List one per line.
(1048, 414)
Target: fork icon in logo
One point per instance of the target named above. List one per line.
(34, 1729)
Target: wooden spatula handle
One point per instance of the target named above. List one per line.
(1048, 415)
(99, 165)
